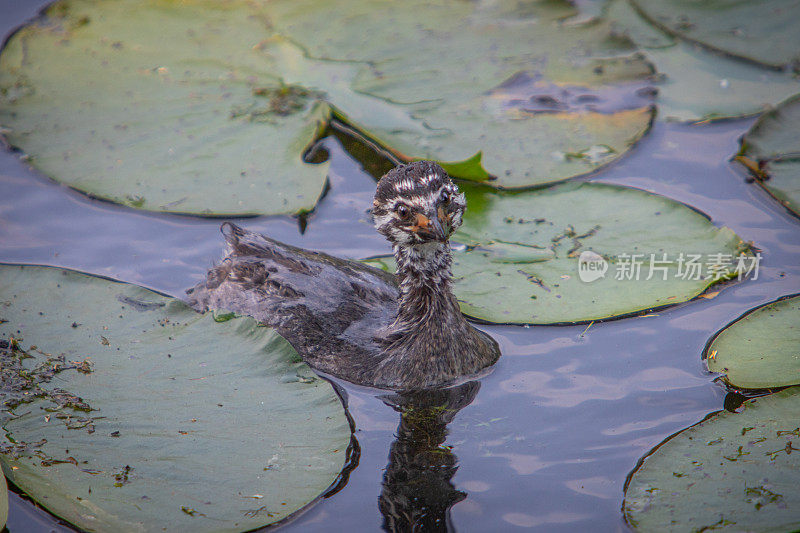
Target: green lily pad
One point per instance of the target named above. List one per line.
(730, 472)
(761, 31)
(3, 501)
(696, 84)
(771, 152)
(760, 349)
(503, 89)
(202, 107)
(165, 106)
(126, 410)
(521, 252)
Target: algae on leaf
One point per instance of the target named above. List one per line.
(207, 107)
(730, 472)
(761, 349)
(125, 409)
(521, 254)
(771, 152)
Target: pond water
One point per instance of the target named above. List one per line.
(554, 429)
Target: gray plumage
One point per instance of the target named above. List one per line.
(354, 321)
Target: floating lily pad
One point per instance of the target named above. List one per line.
(502, 88)
(771, 152)
(761, 349)
(761, 31)
(521, 254)
(126, 410)
(207, 107)
(730, 472)
(3, 501)
(696, 84)
(164, 106)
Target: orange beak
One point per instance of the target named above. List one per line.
(429, 227)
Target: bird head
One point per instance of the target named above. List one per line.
(417, 203)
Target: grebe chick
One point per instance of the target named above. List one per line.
(353, 321)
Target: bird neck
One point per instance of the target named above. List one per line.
(423, 272)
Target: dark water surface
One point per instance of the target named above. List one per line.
(557, 426)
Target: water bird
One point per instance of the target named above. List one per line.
(400, 331)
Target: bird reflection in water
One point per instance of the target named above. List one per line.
(418, 491)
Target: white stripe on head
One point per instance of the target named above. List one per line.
(428, 178)
(404, 185)
(426, 201)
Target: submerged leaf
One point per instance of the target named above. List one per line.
(760, 349)
(730, 472)
(579, 252)
(179, 412)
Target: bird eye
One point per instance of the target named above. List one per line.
(445, 197)
(402, 210)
